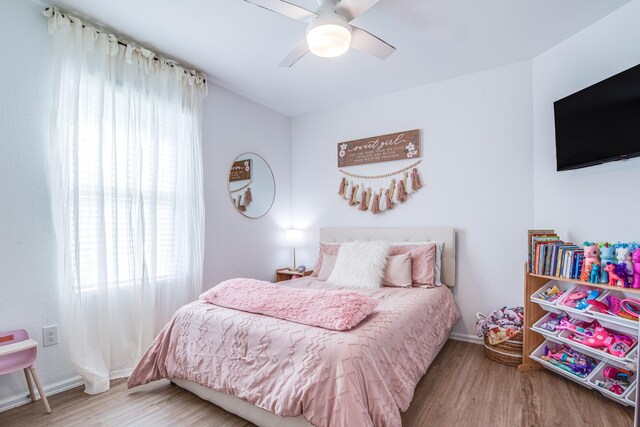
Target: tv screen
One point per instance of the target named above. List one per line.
(600, 123)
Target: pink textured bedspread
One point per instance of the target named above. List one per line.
(330, 309)
(362, 377)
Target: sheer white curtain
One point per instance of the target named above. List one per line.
(128, 198)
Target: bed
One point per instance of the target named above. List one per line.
(277, 373)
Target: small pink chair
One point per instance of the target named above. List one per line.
(18, 351)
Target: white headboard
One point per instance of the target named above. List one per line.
(447, 235)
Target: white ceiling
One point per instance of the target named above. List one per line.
(239, 45)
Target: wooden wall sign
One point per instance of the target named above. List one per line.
(240, 170)
(383, 148)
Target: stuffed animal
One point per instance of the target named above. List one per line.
(595, 273)
(591, 255)
(636, 268)
(607, 254)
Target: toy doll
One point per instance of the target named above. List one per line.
(623, 254)
(591, 255)
(636, 268)
(607, 254)
(595, 273)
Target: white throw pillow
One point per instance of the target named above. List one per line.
(360, 265)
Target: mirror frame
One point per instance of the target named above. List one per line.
(275, 189)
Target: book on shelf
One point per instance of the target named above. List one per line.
(534, 236)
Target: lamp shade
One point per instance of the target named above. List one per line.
(329, 40)
(329, 34)
(293, 236)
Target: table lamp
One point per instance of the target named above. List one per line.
(293, 237)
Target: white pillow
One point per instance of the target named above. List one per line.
(437, 278)
(360, 265)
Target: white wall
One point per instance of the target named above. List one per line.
(236, 246)
(596, 203)
(477, 175)
(28, 297)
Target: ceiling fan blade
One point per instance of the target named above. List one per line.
(368, 43)
(351, 9)
(285, 8)
(296, 54)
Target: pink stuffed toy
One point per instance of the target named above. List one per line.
(636, 268)
(591, 255)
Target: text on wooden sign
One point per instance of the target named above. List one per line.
(240, 170)
(383, 148)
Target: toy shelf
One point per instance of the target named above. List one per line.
(533, 312)
(580, 282)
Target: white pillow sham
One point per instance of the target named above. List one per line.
(360, 264)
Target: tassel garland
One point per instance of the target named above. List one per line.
(343, 187)
(241, 204)
(402, 195)
(361, 193)
(415, 180)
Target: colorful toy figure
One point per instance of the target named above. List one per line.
(591, 255)
(636, 268)
(595, 273)
(623, 255)
(614, 279)
(607, 254)
(586, 272)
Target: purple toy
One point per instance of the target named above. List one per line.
(636, 268)
(623, 255)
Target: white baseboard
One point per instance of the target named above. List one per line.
(50, 389)
(466, 338)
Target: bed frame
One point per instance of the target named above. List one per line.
(264, 418)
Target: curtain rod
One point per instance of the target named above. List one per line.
(121, 43)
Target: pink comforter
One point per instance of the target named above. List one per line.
(362, 377)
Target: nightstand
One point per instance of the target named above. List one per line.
(286, 274)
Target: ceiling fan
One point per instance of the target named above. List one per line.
(330, 32)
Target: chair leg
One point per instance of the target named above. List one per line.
(27, 375)
(40, 390)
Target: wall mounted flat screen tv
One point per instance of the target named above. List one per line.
(600, 123)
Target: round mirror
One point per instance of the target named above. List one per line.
(252, 188)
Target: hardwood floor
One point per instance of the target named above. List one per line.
(461, 388)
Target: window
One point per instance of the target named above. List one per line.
(126, 178)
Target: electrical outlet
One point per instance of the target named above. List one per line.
(49, 335)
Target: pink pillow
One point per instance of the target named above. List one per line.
(398, 271)
(328, 262)
(423, 261)
(324, 249)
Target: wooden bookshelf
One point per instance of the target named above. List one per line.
(533, 312)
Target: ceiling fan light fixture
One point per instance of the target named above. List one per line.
(329, 35)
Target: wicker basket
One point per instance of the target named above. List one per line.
(508, 352)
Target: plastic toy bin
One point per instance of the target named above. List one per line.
(547, 305)
(598, 375)
(544, 319)
(539, 352)
(580, 314)
(606, 319)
